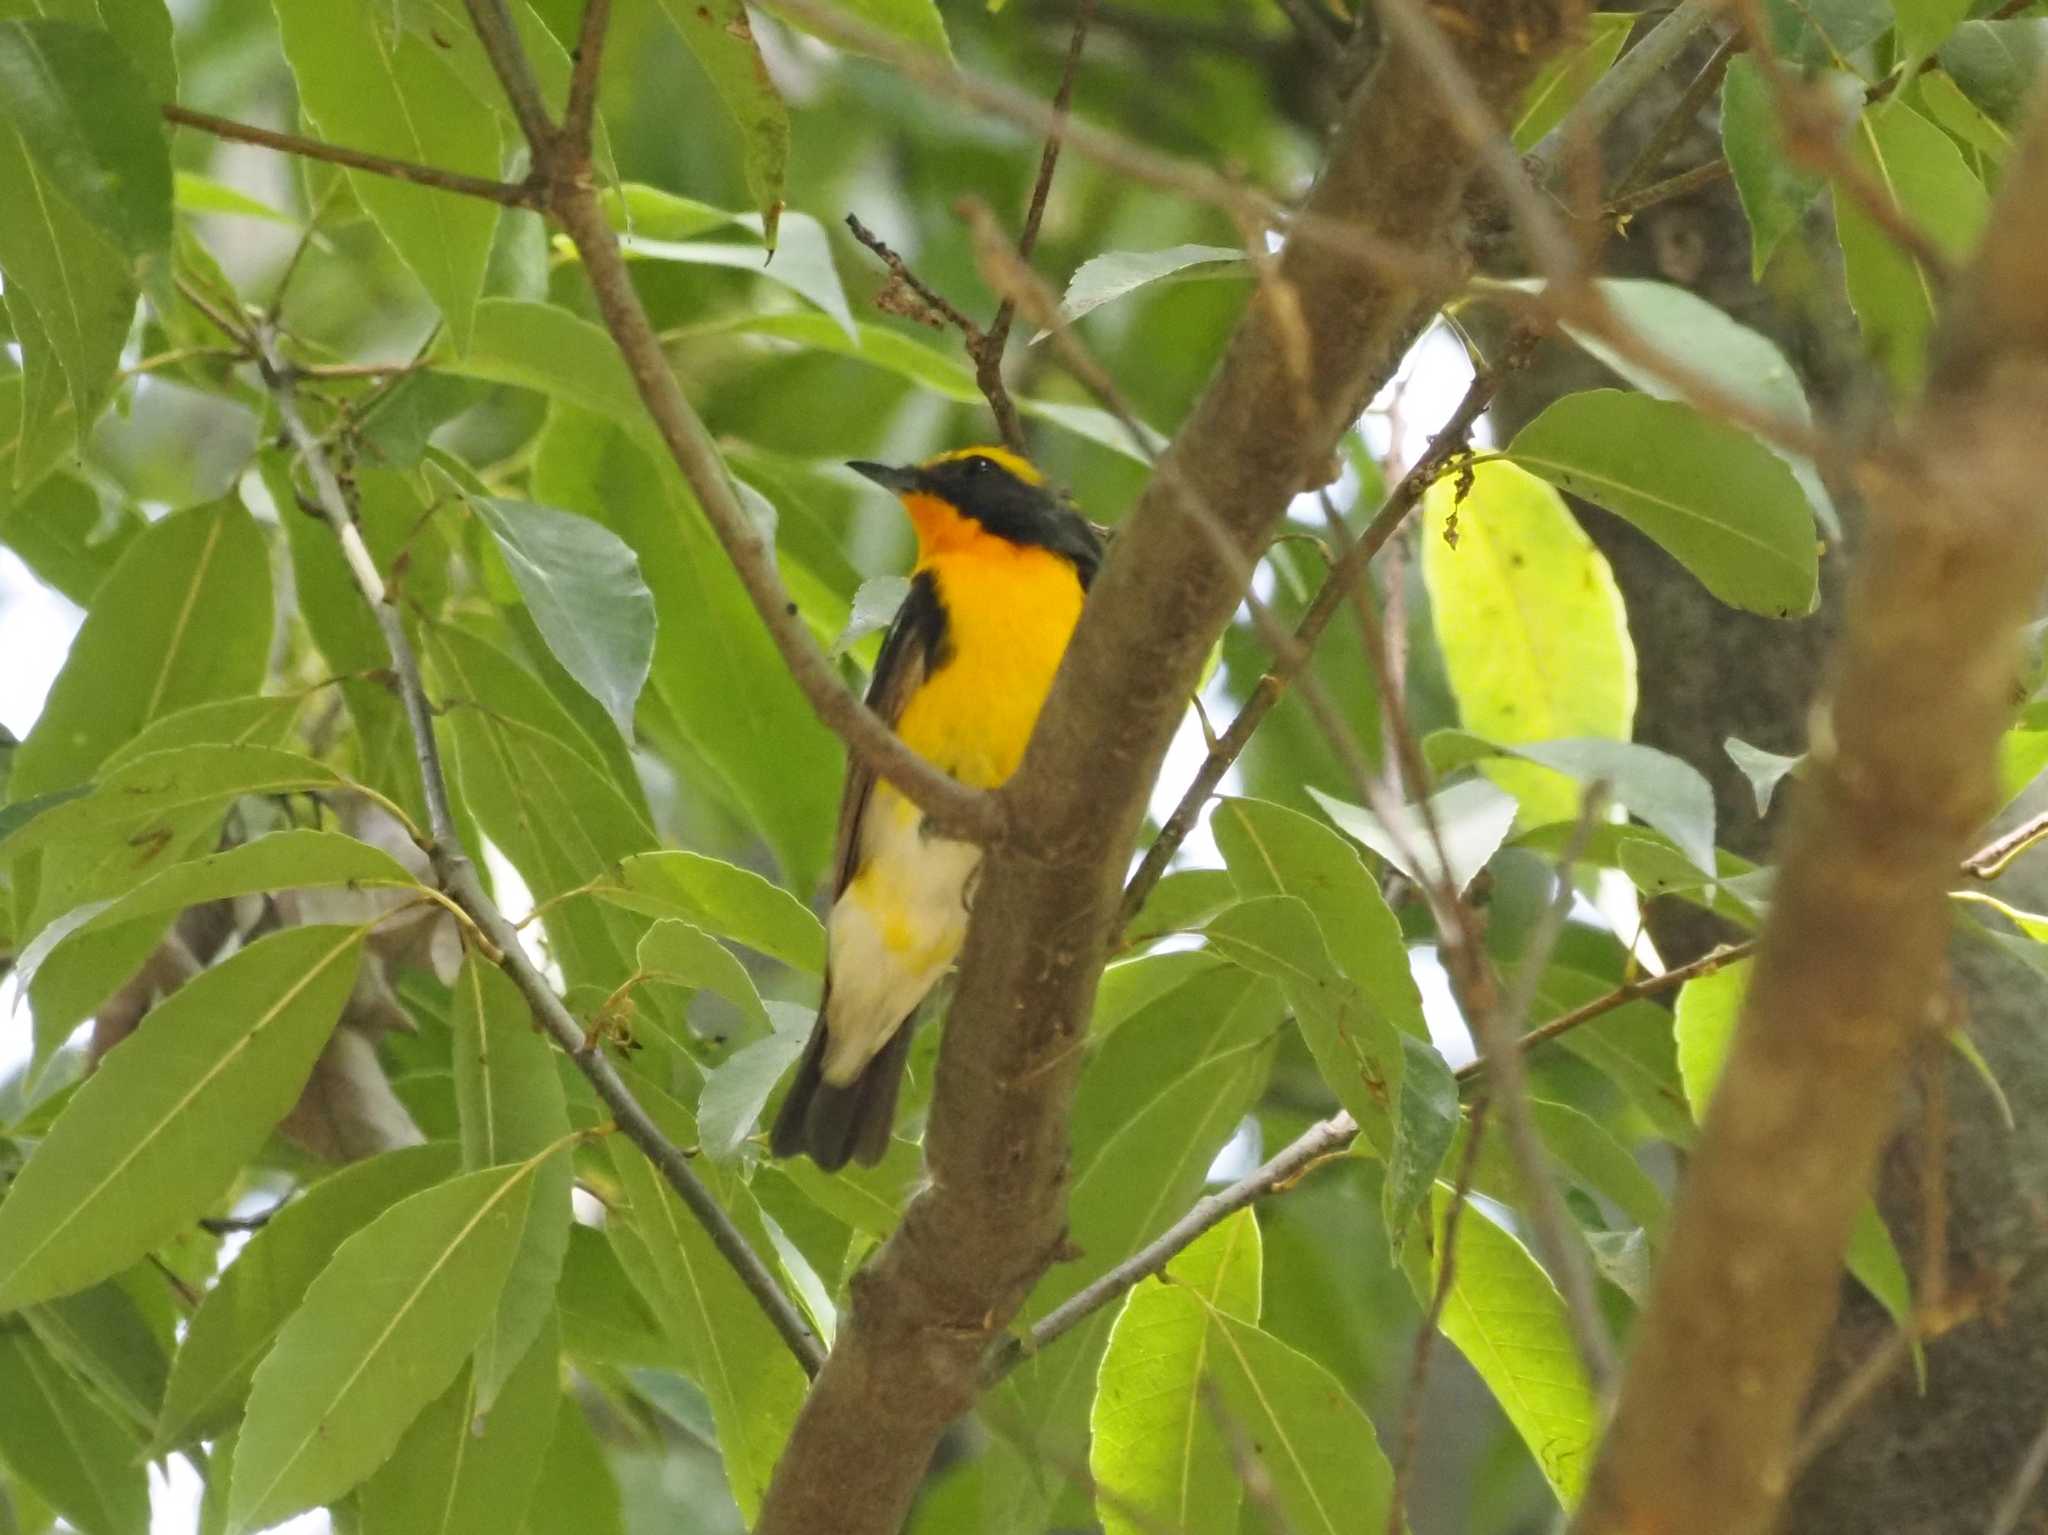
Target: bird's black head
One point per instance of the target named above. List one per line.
(1003, 493)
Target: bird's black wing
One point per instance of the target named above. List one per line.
(913, 649)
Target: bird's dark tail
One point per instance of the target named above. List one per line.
(835, 1124)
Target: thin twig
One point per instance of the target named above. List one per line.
(1682, 117)
(1349, 569)
(458, 878)
(1684, 184)
(583, 78)
(943, 311)
(1991, 860)
(505, 193)
(1614, 90)
(988, 360)
(2025, 1478)
(1432, 1317)
(1331, 1135)
(1499, 1030)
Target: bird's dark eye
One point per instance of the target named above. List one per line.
(979, 465)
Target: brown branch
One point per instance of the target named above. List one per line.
(457, 876)
(588, 65)
(978, 1236)
(1855, 948)
(1627, 204)
(940, 310)
(507, 194)
(1682, 117)
(1991, 860)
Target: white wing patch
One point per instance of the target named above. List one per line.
(893, 931)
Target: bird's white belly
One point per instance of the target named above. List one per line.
(894, 930)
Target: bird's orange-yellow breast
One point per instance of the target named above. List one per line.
(1010, 610)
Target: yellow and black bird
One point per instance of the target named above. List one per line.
(1002, 567)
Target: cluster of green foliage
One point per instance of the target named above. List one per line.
(429, 1337)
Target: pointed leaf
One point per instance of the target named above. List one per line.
(58, 1440)
(719, 33)
(183, 619)
(1473, 818)
(1534, 636)
(149, 1141)
(685, 955)
(1775, 192)
(583, 587)
(1153, 1444)
(1764, 770)
(510, 1101)
(723, 898)
(1504, 1315)
(1712, 496)
(1116, 274)
(382, 1332)
(1568, 76)
(1315, 1444)
(459, 1471)
(737, 1089)
(382, 88)
(239, 1319)
(576, 1490)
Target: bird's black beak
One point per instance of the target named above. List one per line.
(902, 481)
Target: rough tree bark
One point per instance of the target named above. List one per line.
(1318, 337)
(1956, 549)
(1911, 1461)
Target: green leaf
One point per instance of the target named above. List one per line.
(510, 1102)
(1943, 100)
(1764, 770)
(582, 584)
(737, 1089)
(1425, 1125)
(725, 899)
(1531, 625)
(459, 1471)
(800, 260)
(1996, 64)
(1153, 1444)
(184, 618)
(714, 664)
(58, 526)
(88, 120)
(1816, 33)
(735, 1356)
(149, 1141)
(239, 1319)
(1568, 76)
(1472, 818)
(58, 1440)
(1504, 1315)
(194, 193)
(1712, 496)
(1315, 1445)
(1743, 362)
(576, 1490)
(719, 33)
(1161, 1096)
(1924, 25)
(1357, 1050)
(1669, 793)
(382, 1332)
(1113, 275)
(1775, 193)
(1271, 850)
(553, 809)
(377, 87)
(688, 956)
(70, 298)
(104, 1338)
(75, 962)
(913, 21)
(1923, 176)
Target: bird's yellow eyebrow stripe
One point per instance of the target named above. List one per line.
(1016, 463)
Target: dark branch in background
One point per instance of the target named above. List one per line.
(1684, 184)
(1853, 956)
(508, 194)
(1681, 119)
(562, 166)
